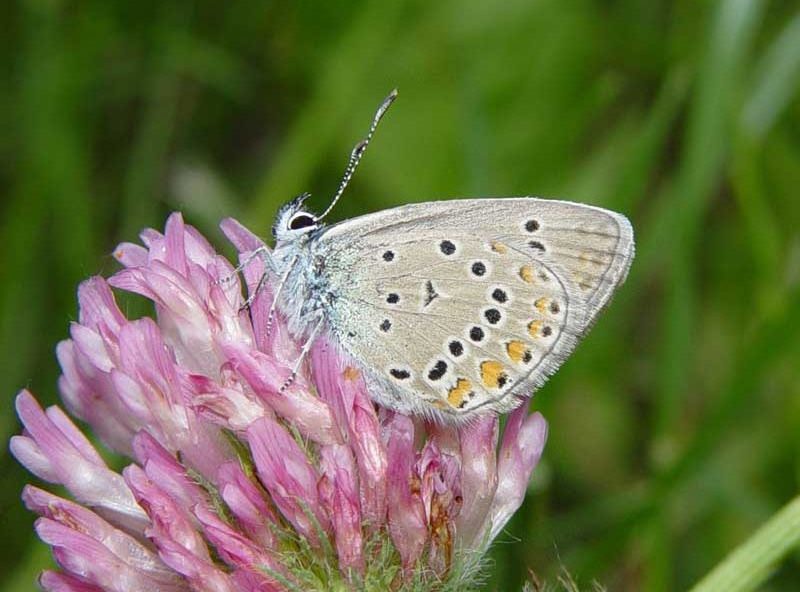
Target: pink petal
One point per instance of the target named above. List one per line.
(169, 520)
(338, 491)
(523, 441)
(310, 414)
(131, 255)
(121, 545)
(98, 309)
(247, 504)
(277, 340)
(81, 555)
(183, 317)
(202, 576)
(344, 390)
(53, 581)
(232, 408)
(440, 490)
(241, 237)
(154, 241)
(237, 550)
(91, 346)
(28, 453)
(163, 468)
(60, 454)
(288, 476)
(478, 478)
(148, 361)
(195, 308)
(249, 581)
(198, 250)
(172, 531)
(173, 236)
(406, 513)
(89, 394)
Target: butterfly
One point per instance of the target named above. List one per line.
(453, 308)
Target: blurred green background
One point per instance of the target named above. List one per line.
(675, 427)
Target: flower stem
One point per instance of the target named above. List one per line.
(753, 561)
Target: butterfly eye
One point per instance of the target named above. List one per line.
(301, 220)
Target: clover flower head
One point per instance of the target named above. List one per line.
(236, 484)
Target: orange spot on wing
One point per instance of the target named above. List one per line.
(541, 304)
(351, 374)
(534, 327)
(499, 247)
(456, 395)
(516, 350)
(492, 374)
(526, 273)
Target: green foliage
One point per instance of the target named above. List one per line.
(316, 570)
(675, 428)
(563, 583)
(752, 562)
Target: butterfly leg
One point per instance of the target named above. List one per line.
(278, 291)
(303, 353)
(252, 296)
(263, 253)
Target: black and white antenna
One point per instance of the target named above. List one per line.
(358, 151)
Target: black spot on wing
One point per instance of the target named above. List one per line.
(438, 370)
(536, 246)
(499, 295)
(456, 348)
(430, 293)
(476, 334)
(447, 247)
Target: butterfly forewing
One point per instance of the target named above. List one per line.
(464, 305)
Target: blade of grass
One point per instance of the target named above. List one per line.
(211, 65)
(65, 155)
(763, 231)
(777, 79)
(678, 209)
(777, 76)
(658, 553)
(27, 570)
(771, 339)
(618, 174)
(642, 161)
(48, 228)
(341, 80)
(732, 28)
(751, 563)
(142, 195)
(46, 234)
(618, 516)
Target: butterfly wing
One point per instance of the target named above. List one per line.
(460, 306)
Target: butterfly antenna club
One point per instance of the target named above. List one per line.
(358, 151)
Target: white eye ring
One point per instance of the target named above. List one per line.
(301, 220)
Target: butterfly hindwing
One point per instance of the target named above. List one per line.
(454, 307)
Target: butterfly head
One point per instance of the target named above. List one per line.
(294, 221)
